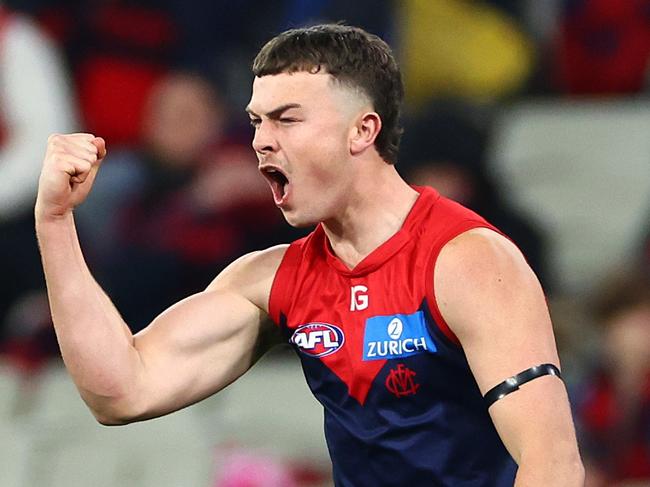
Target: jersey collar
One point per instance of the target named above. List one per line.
(427, 198)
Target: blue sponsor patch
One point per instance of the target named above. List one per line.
(396, 336)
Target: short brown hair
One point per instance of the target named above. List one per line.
(352, 56)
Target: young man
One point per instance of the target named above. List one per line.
(405, 308)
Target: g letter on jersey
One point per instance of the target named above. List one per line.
(358, 298)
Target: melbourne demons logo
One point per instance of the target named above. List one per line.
(318, 339)
(401, 381)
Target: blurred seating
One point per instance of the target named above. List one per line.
(52, 439)
(70, 448)
(15, 455)
(15, 443)
(271, 409)
(581, 169)
(9, 390)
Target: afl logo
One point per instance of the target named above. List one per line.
(395, 328)
(318, 339)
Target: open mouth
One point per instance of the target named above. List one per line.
(278, 182)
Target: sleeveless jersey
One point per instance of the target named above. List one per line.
(400, 402)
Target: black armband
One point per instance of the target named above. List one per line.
(512, 384)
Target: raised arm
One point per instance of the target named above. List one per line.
(190, 351)
(494, 304)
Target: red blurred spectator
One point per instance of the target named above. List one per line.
(179, 209)
(604, 47)
(613, 405)
(118, 50)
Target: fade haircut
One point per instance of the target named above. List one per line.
(353, 57)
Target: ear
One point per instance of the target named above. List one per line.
(364, 132)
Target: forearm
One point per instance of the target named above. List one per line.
(96, 345)
(540, 435)
(551, 468)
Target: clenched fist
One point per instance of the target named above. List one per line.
(69, 169)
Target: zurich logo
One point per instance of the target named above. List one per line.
(318, 339)
(395, 328)
(397, 336)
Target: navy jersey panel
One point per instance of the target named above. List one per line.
(416, 440)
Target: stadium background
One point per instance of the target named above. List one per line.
(536, 114)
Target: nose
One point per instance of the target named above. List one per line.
(264, 141)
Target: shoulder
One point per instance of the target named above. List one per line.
(252, 275)
(480, 272)
(480, 251)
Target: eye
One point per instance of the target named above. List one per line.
(287, 120)
(255, 122)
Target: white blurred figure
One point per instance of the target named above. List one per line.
(35, 101)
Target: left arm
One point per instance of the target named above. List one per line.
(494, 304)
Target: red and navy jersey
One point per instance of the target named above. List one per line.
(401, 404)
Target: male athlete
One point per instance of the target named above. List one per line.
(421, 329)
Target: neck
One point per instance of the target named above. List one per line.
(375, 211)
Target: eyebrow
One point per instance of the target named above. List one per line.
(275, 113)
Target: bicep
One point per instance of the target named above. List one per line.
(196, 348)
(495, 305)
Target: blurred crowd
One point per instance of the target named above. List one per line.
(179, 197)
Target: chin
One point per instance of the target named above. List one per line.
(299, 221)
